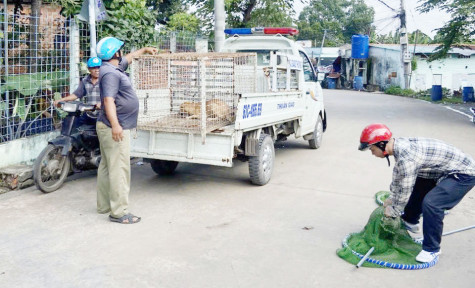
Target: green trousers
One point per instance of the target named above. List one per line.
(113, 175)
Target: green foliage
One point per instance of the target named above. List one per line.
(164, 9)
(413, 64)
(184, 22)
(30, 84)
(69, 7)
(447, 96)
(246, 13)
(396, 90)
(461, 27)
(129, 20)
(270, 15)
(341, 19)
(395, 39)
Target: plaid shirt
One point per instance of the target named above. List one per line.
(425, 158)
(91, 91)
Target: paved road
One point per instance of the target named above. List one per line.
(208, 227)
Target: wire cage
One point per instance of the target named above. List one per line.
(191, 92)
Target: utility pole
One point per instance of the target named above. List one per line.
(321, 47)
(405, 54)
(219, 24)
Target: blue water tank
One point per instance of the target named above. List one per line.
(436, 93)
(467, 94)
(359, 46)
(331, 83)
(358, 83)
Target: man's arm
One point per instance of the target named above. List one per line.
(71, 97)
(111, 114)
(145, 50)
(404, 177)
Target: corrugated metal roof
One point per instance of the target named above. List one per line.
(427, 48)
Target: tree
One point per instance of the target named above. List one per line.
(246, 13)
(390, 39)
(164, 9)
(460, 28)
(183, 22)
(341, 19)
(358, 20)
(129, 20)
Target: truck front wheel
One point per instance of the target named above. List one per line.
(261, 166)
(163, 167)
(317, 139)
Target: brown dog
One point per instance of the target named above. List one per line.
(215, 110)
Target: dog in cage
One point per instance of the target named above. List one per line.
(216, 109)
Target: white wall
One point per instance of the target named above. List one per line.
(454, 71)
(24, 150)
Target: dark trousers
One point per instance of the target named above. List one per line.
(431, 199)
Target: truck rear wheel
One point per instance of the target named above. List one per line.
(317, 139)
(163, 167)
(261, 166)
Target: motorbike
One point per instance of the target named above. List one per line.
(75, 150)
(472, 109)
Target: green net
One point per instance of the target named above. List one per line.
(388, 236)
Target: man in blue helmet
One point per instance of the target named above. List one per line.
(119, 115)
(89, 88)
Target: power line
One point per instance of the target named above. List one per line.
(387, 5)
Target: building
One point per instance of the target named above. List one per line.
(453, 72)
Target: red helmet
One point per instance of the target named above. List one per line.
(372, 134)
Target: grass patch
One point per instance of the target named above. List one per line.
(447, 96)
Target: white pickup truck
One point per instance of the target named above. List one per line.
(215, 107)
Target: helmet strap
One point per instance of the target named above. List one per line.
(382, 145)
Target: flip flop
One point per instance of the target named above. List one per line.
(130, 217)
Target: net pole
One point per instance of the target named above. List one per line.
(458, 230)
(364, 257)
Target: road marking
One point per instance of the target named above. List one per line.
(460, 112)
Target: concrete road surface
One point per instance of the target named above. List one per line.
(209, 227)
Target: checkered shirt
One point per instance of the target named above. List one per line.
(91, 91)
(425, 158)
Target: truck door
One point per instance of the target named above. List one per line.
(312, 95)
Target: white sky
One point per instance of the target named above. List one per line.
(426, 22)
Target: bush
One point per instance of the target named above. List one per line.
(396, 90)
(447, 96)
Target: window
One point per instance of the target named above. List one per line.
(308, 72)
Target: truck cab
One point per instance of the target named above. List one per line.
(266, 42)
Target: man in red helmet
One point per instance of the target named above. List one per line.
(429, 177)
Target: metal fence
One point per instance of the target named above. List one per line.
(42, 60)
(34, 69)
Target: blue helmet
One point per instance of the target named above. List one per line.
(94, 62)
(107, 47)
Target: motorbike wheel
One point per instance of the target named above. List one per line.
(51, 169)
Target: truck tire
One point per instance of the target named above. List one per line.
(261, 166)
(317, 139)
(163, 167)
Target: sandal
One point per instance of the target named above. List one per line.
(126, 219)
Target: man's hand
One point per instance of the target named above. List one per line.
(150, 50)
(117, 134)
(388, 202)
(390, 212)
(98, 106)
